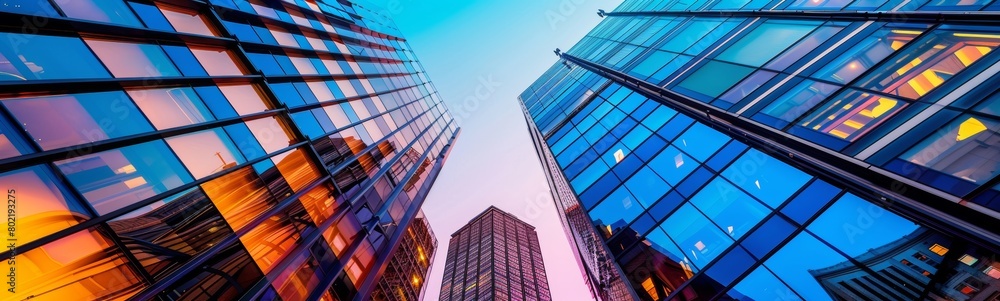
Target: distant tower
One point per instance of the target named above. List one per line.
(494, 257)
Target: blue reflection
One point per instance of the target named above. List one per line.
(765, 177)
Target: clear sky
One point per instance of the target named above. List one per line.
(498, 47)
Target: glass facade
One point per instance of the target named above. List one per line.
(214, 150)
(495, 256)
(406, 276)
(766, 153)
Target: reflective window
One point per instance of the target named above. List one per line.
(297, 169)
(646, 186)
(798, 100)
(43, 206)
(29, 7)
(117, 178)
(31, 57)
(126, 59)
(67, 120)
(852, 114)
(240, 196)
(798, 260)
(275, 238)
(342, 234)
(856, 226)
(859, 57)
(617, 210)
(729, 207)
(762, 285)
(206, 152)
(765, 42)
(110, 11)
(747, 86)
(695, 30)
(766, 178)
(224, 277)
(715, 77)
(11, 144)
(84, 265)
(321, 203)
(171, 107)
(696, 235)
(926, 65)
(186, 224)
(701, 141)
(186, 20)
(270, 133)
(961, 156)
(217, 61)
(246, 99)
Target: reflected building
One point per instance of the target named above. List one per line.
(406, 276)
(495, 256)
(215, 150)
(778, 150)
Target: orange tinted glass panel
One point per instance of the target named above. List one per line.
(206, 152)
(277, 236)
(240, 196)
(270, 133)
(42, 208)
(297, 169)
(171, 107)
(81, 266)
(321, 203)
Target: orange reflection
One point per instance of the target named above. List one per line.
(41, 208)
(270, 133)
(297, 169)
(320, 203)
(81, 266)
(341, 235)
(206, 152)
(240, 196)
(276, 237)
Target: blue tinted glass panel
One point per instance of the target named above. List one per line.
(67, 120)
(713, 78)
(957, 158)
(766, 178)
(729, 207)
(31, 57)
(765, 42)
(701, 141)
(673, 165)
(695, 235)
(856, 226)
(762, 285)
(646, 186)
(117, 178)
(617, 210)
(796, 261)
(109, 11)
(859, 57)
(29, 7)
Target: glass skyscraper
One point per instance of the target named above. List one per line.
(495, 256)
(210, 150)
(405, 277)
(779, 150)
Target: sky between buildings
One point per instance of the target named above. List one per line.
(481, 55)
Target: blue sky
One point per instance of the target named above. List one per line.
(496, 48)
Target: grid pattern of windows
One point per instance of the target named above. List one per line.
(693, 142)
(405, 277)
(495, 256)
(217, 150)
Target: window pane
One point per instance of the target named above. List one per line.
(185, 223)
(936, 58)
(246, 99)
(852, 114)
(240, 196)
(217, 61)
(799, 100)
(765, 42)
(765, 177)
(43, 207)
(796, 262)
(82, 266)
(171, 107)
(67, 120)
(117, 178)
(11, 143)
(695, 30)
(856, 226)
(966, 150)
(271, 134)
(30, 57)
(866, 53)
(714, 78)
(729, 208)
(269, 242)
(701, 141)
(133, 60)
(110, 11)
(29, 7)
(186, 20)
(296, 168)
(206, 152)
(616, 211)
(695, 235)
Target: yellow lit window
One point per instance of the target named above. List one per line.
(938, 249)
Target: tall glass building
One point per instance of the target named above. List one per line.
(779, 150)
(209, 150)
